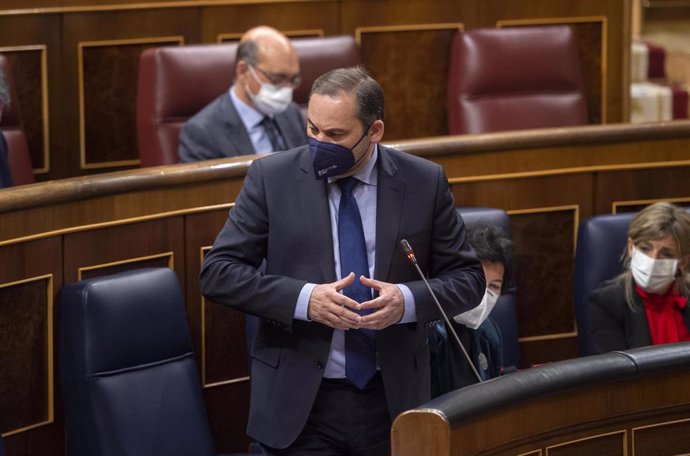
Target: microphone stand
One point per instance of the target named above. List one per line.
(413, 259)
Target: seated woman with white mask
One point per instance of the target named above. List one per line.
(480, 335)
(647, 303)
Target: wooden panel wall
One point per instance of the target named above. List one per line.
(76, 60)
(56, 232)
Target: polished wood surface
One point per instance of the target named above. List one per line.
(618, 416)
(77, 60)
(547, 180)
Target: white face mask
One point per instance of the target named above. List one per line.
(475, 317)
(271, 99)
(653, 276)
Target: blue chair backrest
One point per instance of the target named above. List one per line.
(2, 447)
(504, 312)
(129, 380)
(600, 243)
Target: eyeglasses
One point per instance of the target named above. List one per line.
(281, 79)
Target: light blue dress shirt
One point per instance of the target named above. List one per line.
(251, 118)
(365, 194)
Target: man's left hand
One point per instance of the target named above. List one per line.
(389, 306)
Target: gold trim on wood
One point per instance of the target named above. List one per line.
(320, 33)
(665, 423)
(127, 221)
(205, 385)
(555, 336)
(49, 351)
(531, 453)
(202, 255)
(576, 20)
(151, 6)
(405, 28)
(80, 75)
(44, 98)
(624, 436)
(617, 204)
(563, 171)
(170, 255)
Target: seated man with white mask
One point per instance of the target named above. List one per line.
(479, 334)
(257, 114)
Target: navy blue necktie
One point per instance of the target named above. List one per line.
(360, 346)
(271, 129)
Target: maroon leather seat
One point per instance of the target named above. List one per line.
(515, 78)
(176, 82)
(13, 130)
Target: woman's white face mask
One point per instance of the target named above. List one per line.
(653, 276)
(475, 317)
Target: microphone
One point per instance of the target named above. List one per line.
(413, 259)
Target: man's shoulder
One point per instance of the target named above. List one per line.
(284, 160)
(212, 112)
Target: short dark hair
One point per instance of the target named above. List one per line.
(4, 91)
(492, 244)
(368, 92)
(248, 51)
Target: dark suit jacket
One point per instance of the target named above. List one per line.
(217, 131)
(613, 325)
(282, 215)
(5, 171)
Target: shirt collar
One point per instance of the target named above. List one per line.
(368, 173)
(250, 117)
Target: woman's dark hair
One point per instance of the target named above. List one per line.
(492, 244)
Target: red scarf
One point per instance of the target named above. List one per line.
(664, 316)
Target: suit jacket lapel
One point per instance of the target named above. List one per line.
(240, 144)
(313, 195)
(391, 192)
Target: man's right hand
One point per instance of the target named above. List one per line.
(332, 308)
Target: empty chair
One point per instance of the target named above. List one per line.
(174, 83)
(13, 131)
(515, 78)
(600, 244)
(130, 384)
(504, 312)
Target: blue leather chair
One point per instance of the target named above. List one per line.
(2, 447)
(130, 384)
(600, 244)
(504, 312)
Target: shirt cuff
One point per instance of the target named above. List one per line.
(302, 308)
(410, 315)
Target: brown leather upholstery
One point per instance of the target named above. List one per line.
(515, 78)
(19, 158)
(176, 82)
(12, 129)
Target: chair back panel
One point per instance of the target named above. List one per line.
(515, 78)
(174, 83)
(504, 312)
(129, 381)
(600, 244)
(19, 157)
(11, 117)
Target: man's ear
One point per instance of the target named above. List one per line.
(376, 130)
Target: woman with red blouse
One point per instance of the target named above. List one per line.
(648, 303)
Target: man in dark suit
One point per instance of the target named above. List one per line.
(5, 171)
(257, 115)
(316, 339)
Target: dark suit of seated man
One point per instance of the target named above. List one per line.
(5, 172)
(257, 115)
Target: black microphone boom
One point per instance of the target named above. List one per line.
(413, 259)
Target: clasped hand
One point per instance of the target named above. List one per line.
(332, 308)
